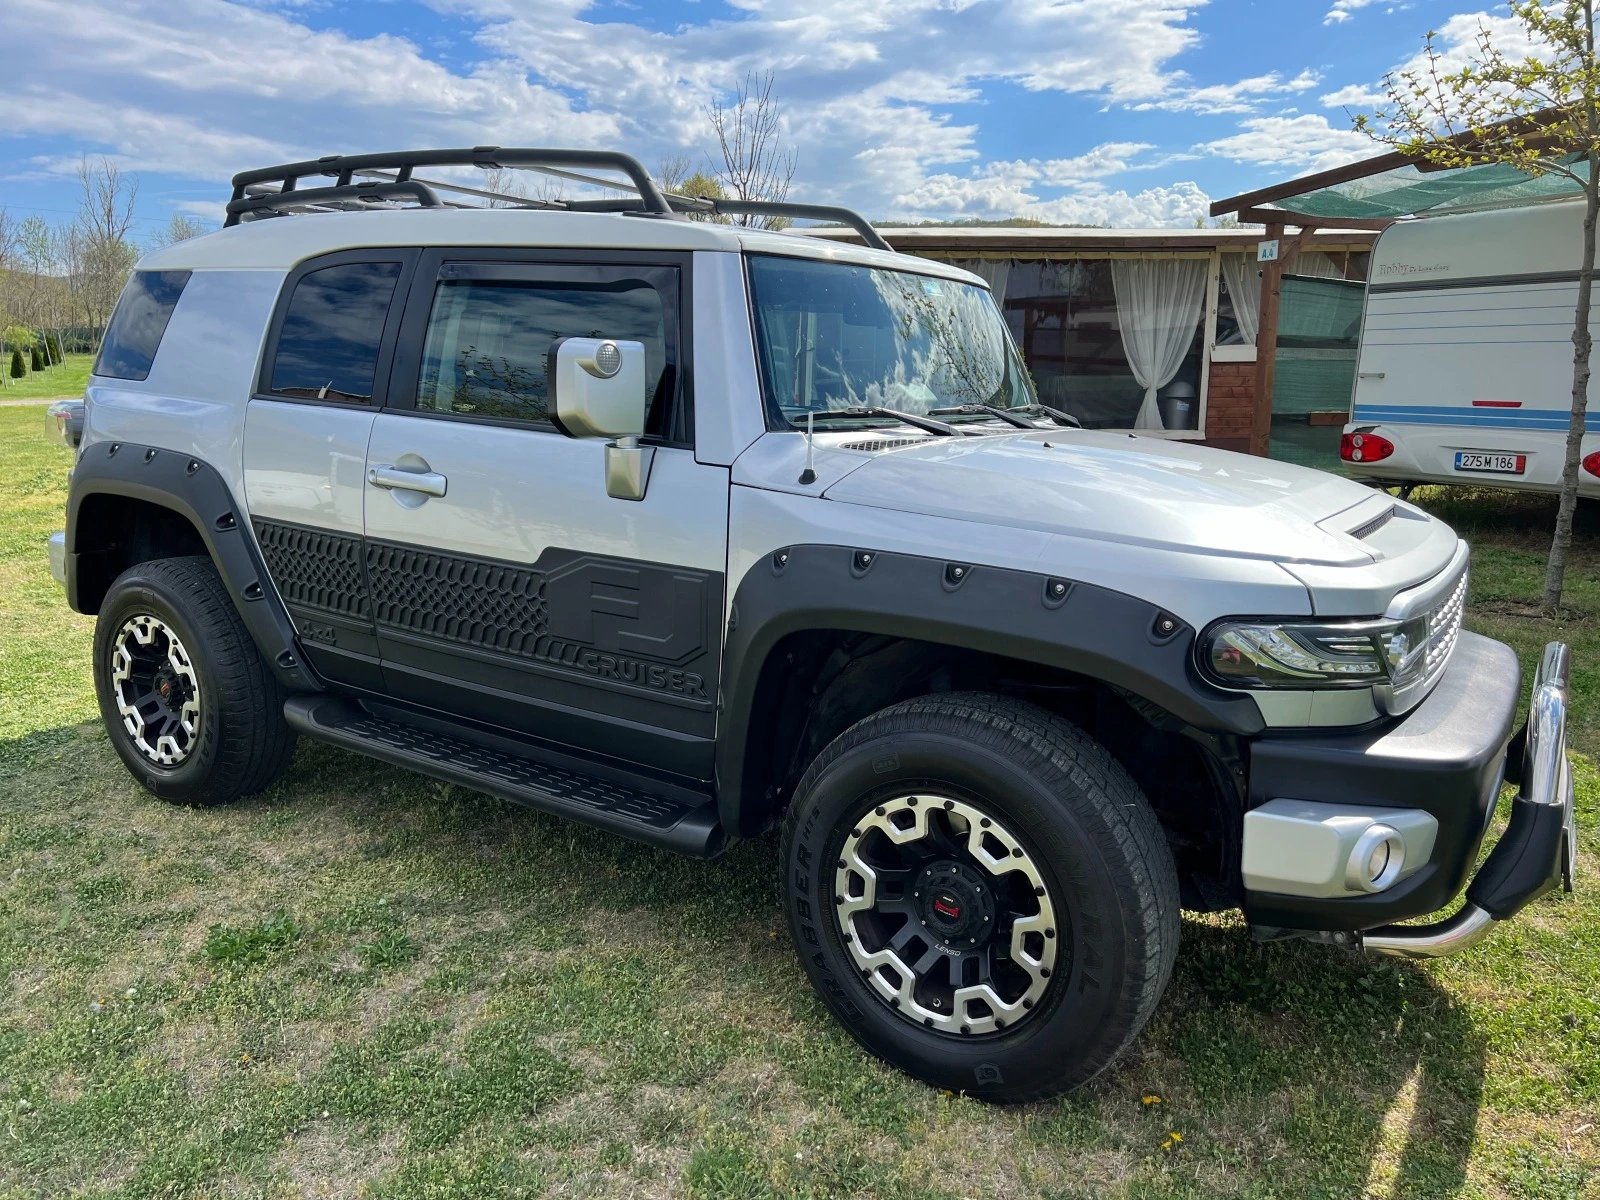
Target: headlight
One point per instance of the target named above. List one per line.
(1292, 654)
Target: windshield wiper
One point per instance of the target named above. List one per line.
(1008, 415)
(1055, 414)
(892, 414)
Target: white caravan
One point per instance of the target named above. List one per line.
(1465, 370)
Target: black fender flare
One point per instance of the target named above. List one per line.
(196, 491)
(1106, 635)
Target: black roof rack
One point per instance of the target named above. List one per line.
(383, 177)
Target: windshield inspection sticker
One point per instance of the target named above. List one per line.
(932, 287)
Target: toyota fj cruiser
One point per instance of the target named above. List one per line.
(690, 530)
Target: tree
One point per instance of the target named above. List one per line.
(18, 367)
(1539, 113)
(180, 228)
(98, 251)
(749, 130)
(37, 362)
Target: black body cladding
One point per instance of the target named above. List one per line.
(1105, 635)
(195, 491)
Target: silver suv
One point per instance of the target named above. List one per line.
(690, 530)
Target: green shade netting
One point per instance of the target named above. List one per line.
(1406, 191)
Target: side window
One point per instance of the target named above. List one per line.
(137, 326)
(489, 334)
(332, 330)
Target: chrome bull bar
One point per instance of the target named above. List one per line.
(1539, 849)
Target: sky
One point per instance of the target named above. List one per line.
(1129, 113)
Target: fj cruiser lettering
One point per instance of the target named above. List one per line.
(692, 530)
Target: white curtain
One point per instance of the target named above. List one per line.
(1315, 264)
(1242, 274)
(993, 271)
(1158, 307)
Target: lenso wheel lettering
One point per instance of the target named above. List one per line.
(946, 914)
(156, 690)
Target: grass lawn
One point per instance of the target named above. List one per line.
(368, 980)
(69, 379)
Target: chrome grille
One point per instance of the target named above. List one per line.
(1444, 627)
(1441, 602)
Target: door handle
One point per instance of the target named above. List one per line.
(429, 483)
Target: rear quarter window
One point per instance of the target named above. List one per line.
(332, 332)
(139, 323)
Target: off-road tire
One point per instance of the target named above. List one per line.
(242, 744)
(1086, 825)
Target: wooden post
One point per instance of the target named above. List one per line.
(1267, 334)
(1266, 347)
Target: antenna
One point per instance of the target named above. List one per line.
(809, 475)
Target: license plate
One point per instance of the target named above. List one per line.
(1485, 460)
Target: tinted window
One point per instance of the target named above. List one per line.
(328, 347)
(488, 340)
(136, 327)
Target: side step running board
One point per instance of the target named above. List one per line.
(671, 818)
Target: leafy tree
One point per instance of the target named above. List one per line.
(179, 229)
(18, 367)
(1539, 113)
(18, 335)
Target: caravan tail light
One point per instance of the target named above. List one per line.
(1591, 463)
(1364, 447)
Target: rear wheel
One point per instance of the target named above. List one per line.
(193, 711)
(981, 895)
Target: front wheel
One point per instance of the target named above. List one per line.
(981, 894)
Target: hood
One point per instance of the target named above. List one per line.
(1145, 491)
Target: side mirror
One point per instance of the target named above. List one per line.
(597, 387)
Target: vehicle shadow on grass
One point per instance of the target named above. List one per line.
(1353, 1072)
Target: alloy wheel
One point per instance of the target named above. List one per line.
(157, 690)
(946, 915)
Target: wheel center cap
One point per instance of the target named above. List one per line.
(956, 903)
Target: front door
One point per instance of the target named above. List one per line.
(508, 587)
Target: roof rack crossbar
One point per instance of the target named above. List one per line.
(439, 185)
(803, 212)
(370, 190)
(343, 167)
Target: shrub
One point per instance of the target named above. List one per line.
(53, 340)
(18, 369)
(38, 359)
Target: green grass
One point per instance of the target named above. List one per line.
(68, 379)
(366, 980)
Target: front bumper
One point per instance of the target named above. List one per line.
(58, 558)
(1539, 849)
(1446, 759)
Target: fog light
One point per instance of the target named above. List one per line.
(1376, 860)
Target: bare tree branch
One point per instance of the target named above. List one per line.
(749, 130)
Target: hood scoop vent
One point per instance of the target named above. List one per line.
(1367, 528)
(883, 443)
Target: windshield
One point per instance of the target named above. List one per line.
(835, 335)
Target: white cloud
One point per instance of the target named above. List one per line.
(1240, 97)
(202, 88)
(1355, 95)
(1003, 189)
(1341, 10)
(1306, 142)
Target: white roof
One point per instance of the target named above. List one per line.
(278, 243)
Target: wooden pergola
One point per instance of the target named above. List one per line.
(1248, 209)
(1274, 207)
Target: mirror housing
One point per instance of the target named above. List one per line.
(597, 387)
